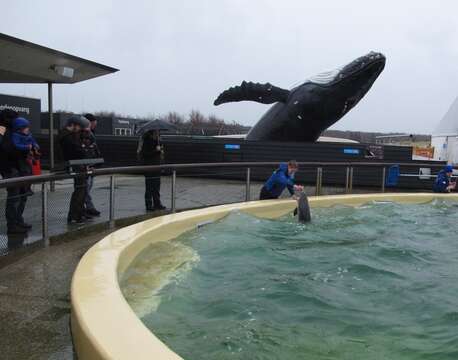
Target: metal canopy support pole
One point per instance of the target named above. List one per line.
(350, 186)
(383, 179)
(44, 213)
(51, 133)
(319, 174)
(112, 202)
(248, 184)
(347, 180)
(174, 190)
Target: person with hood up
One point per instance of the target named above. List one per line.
(72, 148)
(282, 178)
(443, 183)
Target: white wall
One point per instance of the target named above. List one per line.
(445, 148)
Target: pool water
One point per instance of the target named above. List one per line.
(378, 281)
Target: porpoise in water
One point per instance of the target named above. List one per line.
(303, 209)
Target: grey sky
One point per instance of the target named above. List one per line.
(179, 55)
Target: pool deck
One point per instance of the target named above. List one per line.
(35, 301)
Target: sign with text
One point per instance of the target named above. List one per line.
(26, 107)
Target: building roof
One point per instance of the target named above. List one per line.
(449, 123)
(26, 62)
(393, 136)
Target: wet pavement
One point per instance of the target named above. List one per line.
(35, 302)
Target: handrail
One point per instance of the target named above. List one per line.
(139, 169)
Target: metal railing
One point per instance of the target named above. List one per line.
(44, 180)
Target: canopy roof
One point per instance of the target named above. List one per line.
(449, 123)
(26, 62)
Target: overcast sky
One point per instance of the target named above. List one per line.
(179, 55)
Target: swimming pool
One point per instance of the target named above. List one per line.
(105, 326)
(377, 281)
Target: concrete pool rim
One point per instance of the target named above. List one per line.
(103, 324)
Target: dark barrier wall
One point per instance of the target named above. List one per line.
(26, 107)
(121, 151)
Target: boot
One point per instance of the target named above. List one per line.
(149, 205)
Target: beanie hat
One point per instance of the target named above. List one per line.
(20, 123)
(78, 120)
(90, 117)
(448, 168)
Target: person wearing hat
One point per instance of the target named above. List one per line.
(24, 143)
(72, 148)
(443, 183)
(92, 152)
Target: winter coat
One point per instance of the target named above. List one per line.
(279, 181)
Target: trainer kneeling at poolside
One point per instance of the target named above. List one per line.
(443, 183)
(282, 178)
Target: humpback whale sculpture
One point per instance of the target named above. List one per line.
(304, 112)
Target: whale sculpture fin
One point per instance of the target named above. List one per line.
(261, 93)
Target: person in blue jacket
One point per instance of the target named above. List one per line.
(24, 143)
(443, 183)
(282, 178)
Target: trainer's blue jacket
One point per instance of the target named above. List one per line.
(279, 181)
(441, 183)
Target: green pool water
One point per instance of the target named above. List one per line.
(375, 282)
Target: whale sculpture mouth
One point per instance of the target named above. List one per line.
(372, 64)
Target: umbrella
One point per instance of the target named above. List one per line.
(157, 124)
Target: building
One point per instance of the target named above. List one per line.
(445, 136)
(106, 125)
(26, 107)
(404, 140)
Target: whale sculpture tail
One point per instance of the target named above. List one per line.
(249, 91)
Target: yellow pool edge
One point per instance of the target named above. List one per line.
(103, 324)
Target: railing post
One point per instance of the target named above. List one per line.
(248, 184)
(383, 179)
(44, 214)
(350, 186)
(319, 174)
(112, 202)
(347, 180)
(174, 189)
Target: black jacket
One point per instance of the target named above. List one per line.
(8, 154)
(90, 146)
(147, 150)
(71, 145)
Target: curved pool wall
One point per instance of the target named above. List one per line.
(103, 324)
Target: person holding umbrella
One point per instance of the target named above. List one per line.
(151, 152)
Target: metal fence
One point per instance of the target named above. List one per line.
(119, 195)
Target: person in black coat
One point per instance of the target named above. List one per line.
(151, 152)
(72, 148)
(9, 168)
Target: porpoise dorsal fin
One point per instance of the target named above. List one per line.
(249, 91)
(303, 209)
